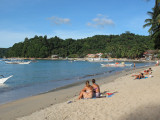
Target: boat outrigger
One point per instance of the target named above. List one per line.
(3, 80)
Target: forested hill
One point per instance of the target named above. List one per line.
(3, 52)
(125, 45)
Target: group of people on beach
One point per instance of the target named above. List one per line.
(142, 75)
(90, 91)
(93, 91)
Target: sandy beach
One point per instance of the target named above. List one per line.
(133, 100)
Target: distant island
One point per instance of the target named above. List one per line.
(126, 45)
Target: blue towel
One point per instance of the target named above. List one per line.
(143, 78)
(110, 95)
(93, 98)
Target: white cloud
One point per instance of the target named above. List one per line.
(100, 21)
(59, 21)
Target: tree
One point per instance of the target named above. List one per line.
(154, 23)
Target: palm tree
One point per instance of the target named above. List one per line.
(154, 22)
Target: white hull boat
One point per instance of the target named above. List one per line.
(2, 80)
(128, 65)
(99, 60)
(112, 65)
(116, 65)
(17, 62)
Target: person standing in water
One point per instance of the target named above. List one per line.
(157, 63)
(134, 66)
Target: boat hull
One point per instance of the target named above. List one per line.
(112, 65)
(9, 62)
(3, 80)
(116, 65)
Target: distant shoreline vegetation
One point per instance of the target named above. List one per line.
(3, 52)
(126, 45)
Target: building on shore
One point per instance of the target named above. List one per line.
(150, 54)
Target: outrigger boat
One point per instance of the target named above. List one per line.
(99, 60)
(116, 65)
(2, 80)
(17, 62)
(112, 65)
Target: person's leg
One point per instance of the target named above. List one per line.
(97, 95)
(137, 77)
(80, 95)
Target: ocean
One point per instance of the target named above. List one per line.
(45, 75)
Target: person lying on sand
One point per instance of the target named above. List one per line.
(86, 92)
(149, 70)
(146, 72)
(141, 75)
(96, 89)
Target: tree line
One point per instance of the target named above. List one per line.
(3, 52)
(126, 45)
(154, 23)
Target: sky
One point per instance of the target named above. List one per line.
(70, 18)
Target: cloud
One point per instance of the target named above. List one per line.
(100, 21)
(59, 21)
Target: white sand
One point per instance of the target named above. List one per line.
(135, 100)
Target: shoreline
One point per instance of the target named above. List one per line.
(80, 80)
(20, 108)
(86, 59)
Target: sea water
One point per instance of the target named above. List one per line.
(45, 75)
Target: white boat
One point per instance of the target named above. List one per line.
(17, 62)
(2, 80)
(128, 65)
(115, 65)
(99, 60)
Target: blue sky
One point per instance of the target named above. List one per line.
(70, 18)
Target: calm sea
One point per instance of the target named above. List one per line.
(46, 75)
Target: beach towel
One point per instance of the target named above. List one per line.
(142, 78)
(110, 94)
